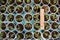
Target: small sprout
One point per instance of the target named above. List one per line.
(45, 8)
(37, 35)
(20, 36)
(46, 17)
(10, 17)
(2, 17)
(53, 2)
(53, 9)
(36, 17)
(47, 26)
(3, 9)
(46, 34)
(10, 9)
(20, 27)
(19, 9)
(53, 17)
(19, 18)
(37, 1)
(54, 34)
(11, 35)
(28, 8)
(3, 34)
(3, 26)
(28, 35)
(37, 26)
(36, 8)
(28, 26)
(28, 17)
(3, 2)
(54, 25)
(11, 26)
(45, 1)
(11, 1)
(27, 1)
(19, 2)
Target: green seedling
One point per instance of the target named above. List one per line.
(47, 26)
(46, 17)
(54, 17)
(19, 0)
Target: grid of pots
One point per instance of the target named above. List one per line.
(29, 18)
(28, 26)
(20, 6)
(3, 2)
(28, 8)
(29, 35)
(53, 5)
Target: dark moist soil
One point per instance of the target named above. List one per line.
(54, 32)
(28, 33)
(11, 2)
(3, 34)
(35, 27)
(59, 10)
(46, 17)
(19, 10)
(10, 35)
(37, 1)
(45, 8)
(19, 3)
(27, 17)
(37, 33)
(3, 17)
(3, 9)
(10, 18)
(38, 19)
(54, 25)
(12, 9)
(52, 18)
(52, 9)
(45, 2)
(52, 2)
(20, 27)
(28, 10)
(27, 2)
(5, 1)
(11, 25)
(59, 2)
(59, 18)
(18, 16)
(28, 26)
(21, 36)
(3, 26)
(46, 36)
(37, 9)
(47, 25)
